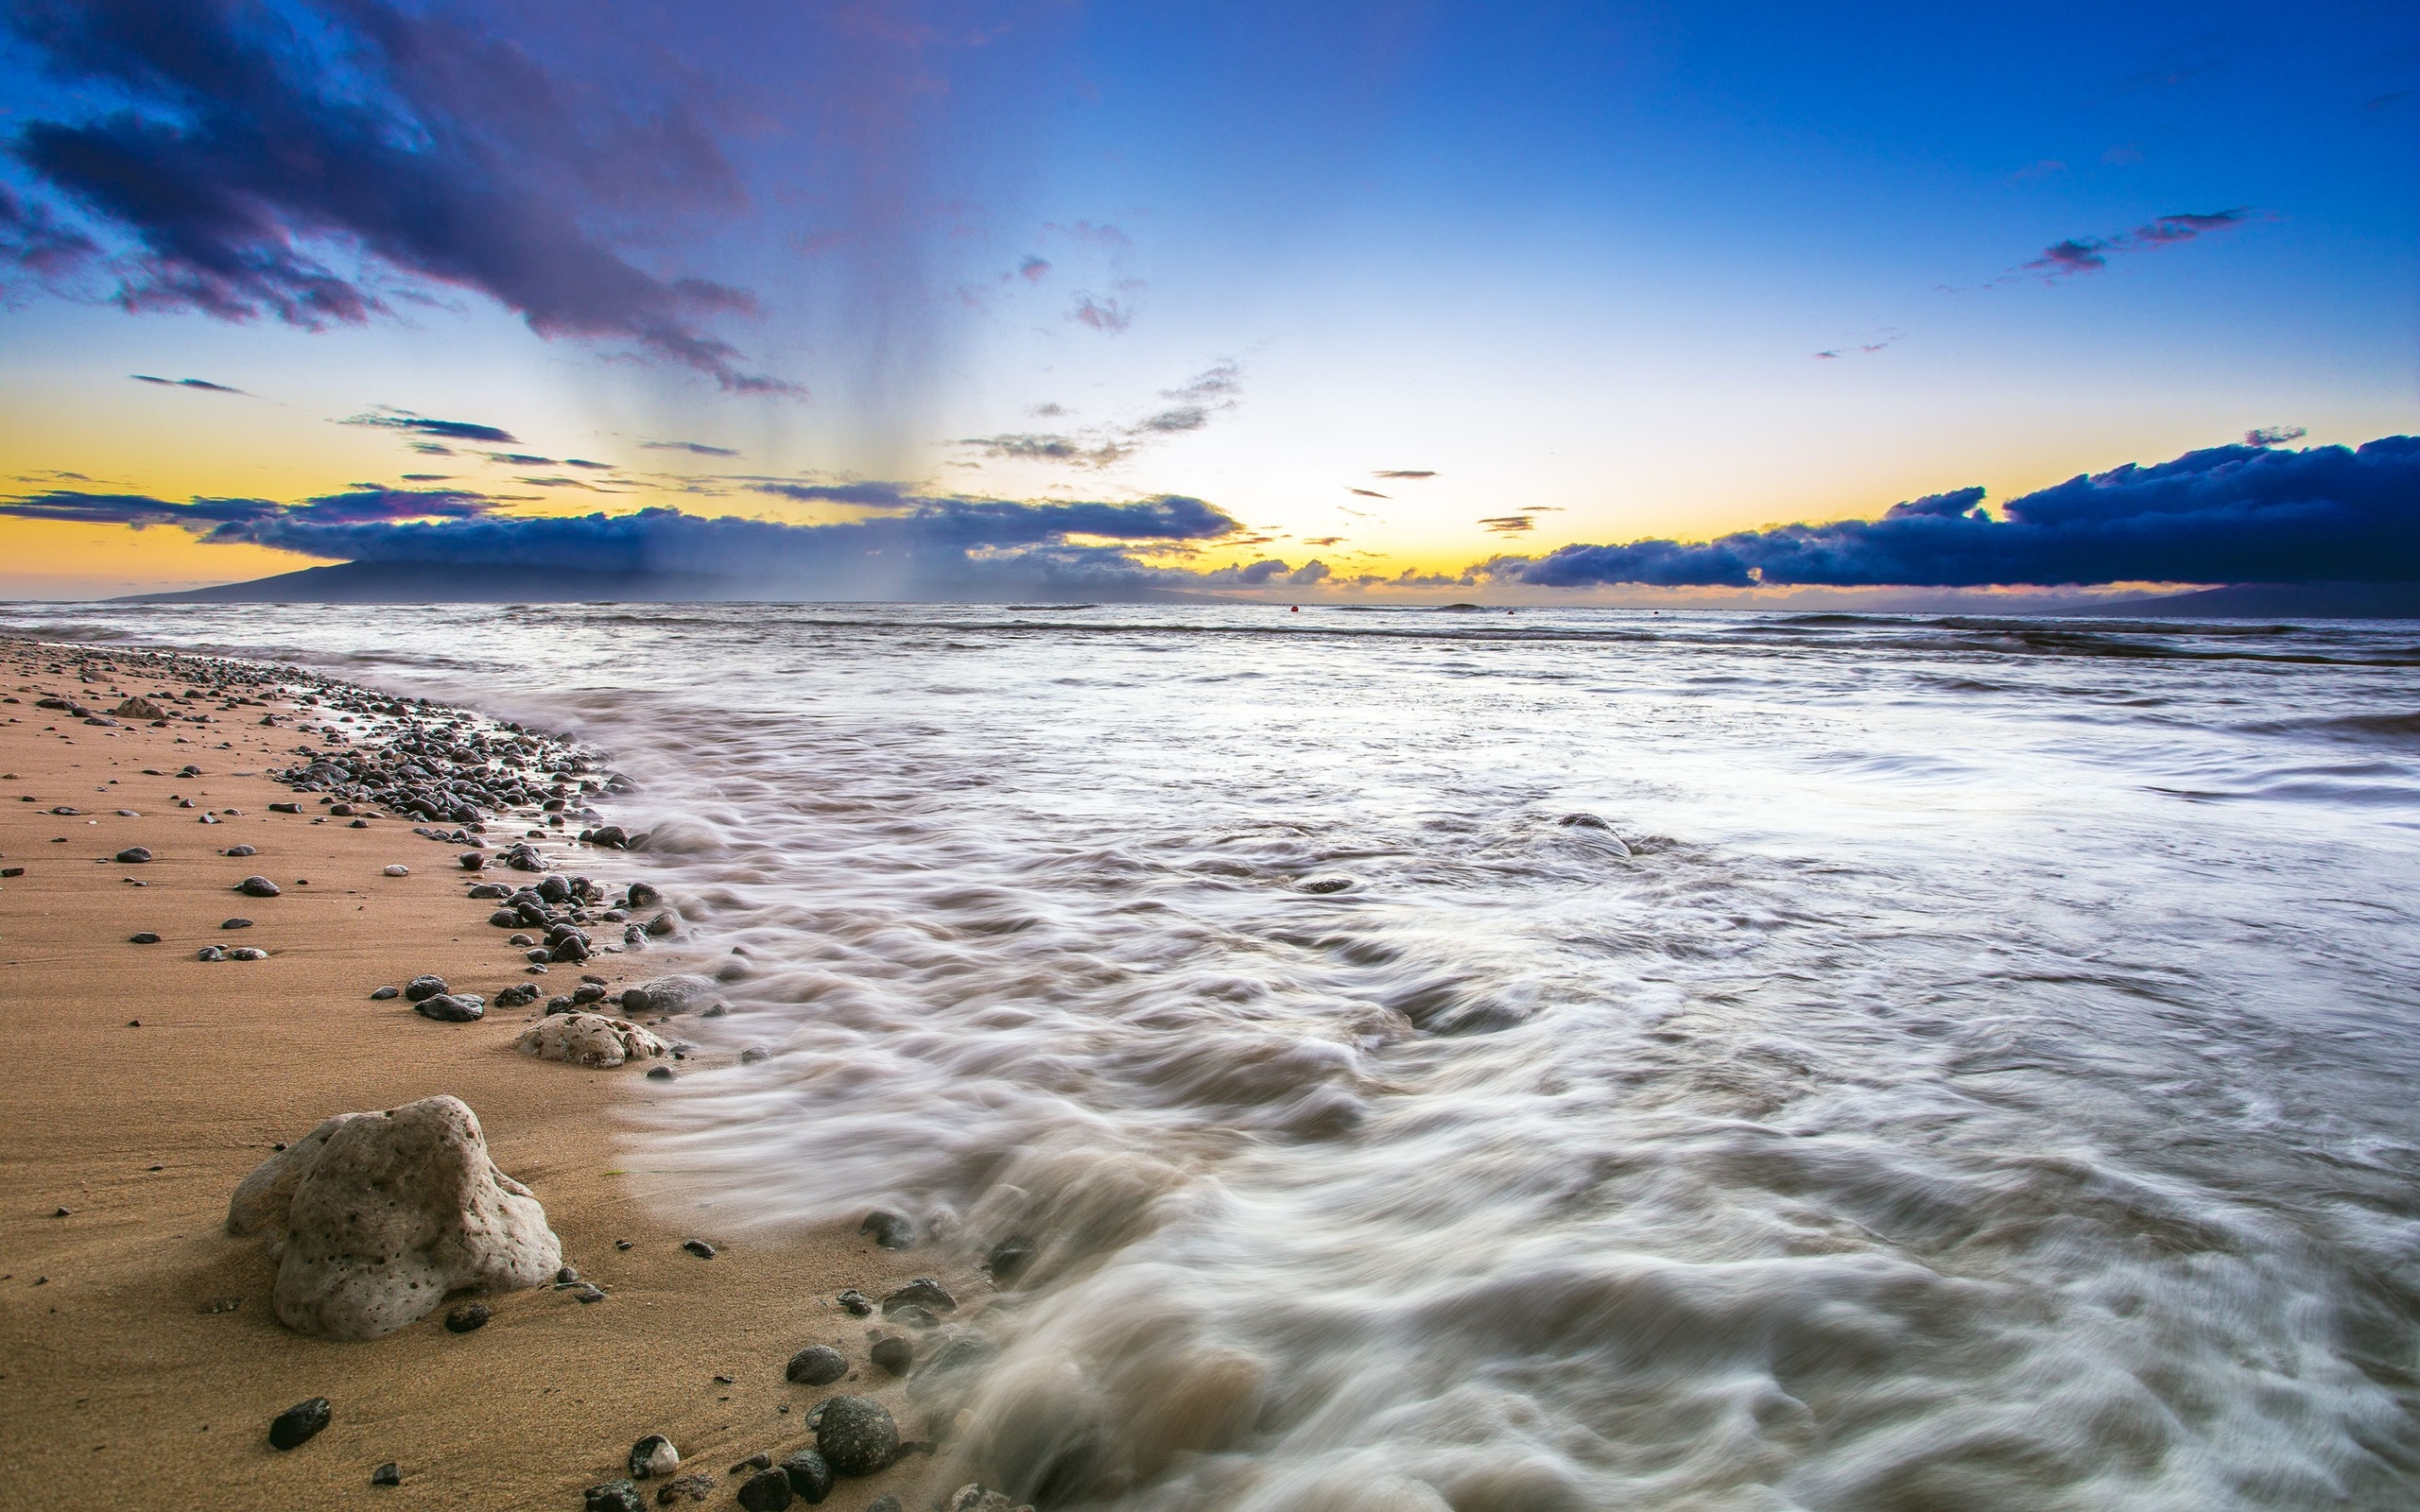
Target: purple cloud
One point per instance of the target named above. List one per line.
(2087, 254)
(202, 383)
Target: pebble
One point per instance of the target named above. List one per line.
(809, 1476)
(854, 1301)
(246, 953)
(397, 871)
(146, 938)
(753, 1054)
(241, 850)
(133, 856)
(1009, 1259)
(297, 1425)
(286, 808)
(587, 1292)
(893, 1355)
(235, 923)
(692, 1487)
(209, 952)
(654, 1455)
(258, 887)
(856, 1435)
(818, 1365)
(923, 1292)
(390, 1474)
(424, 987)
(468, 1319)
(643, 895)
(768, 1491)
(659, 1073)
(613, 1496)
(473, 861)
(453, 1008)
(699, 1248)
(884, 1503)
(889, 1229)
(910, 1314)
(567, 1276)
(385, 992)
(518, 995)
(488, 890)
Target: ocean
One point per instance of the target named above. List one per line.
(1559, 1059)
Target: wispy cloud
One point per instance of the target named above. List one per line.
(2274, 435)
(1369, 493)
(693, 448)
(1405, 472)
(452, 430)
(2089, 254)
(1108, 317)
(202, 383)
(1200, 400)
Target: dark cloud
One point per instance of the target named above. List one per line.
(871, 494)
(2087, 254)
(1508, 524)
(452, 430)
(37, 249)
(1324, 540)
(1183, 417)
(1033, 270)
(1405, 472)
(582, 461)
(1369, 493)
(693, 448)
(2274, 435)
(202, 383)
(519, 459)
(425, 477)
(1045, 446)
(2230, 514)
(234, 519)
(432, 449)
(267, 160)
(1200, 399)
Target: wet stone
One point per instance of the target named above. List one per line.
(1009, 1259)
(613, 1496)
(390, 1474)
(258, 887)
(298, 1424)
(468, 1319)
(809, 1476)
(893, 1355)
(659, 1073)
(766, 1491)
(699, 1248)
(855, 1435)
(884, 1503)
(383, 993)
(854, 1301)
(424, 987)
(452, 1007)
(923, 1292)
(246, 953)
(891, 1230)
(910, 1314)
(654, 1455)
(133, 856)
(146, 938)
(816, 1364)
(235, 923)
(239, 851)
(690, 1487)
(209, 952)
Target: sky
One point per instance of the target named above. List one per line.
(1351, 301)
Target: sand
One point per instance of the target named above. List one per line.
(125, 1375)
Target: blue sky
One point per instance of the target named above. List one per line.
(1577, 262)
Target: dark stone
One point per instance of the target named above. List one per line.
(588, 1292)
(1585, 821)
(390, 1474)
(1009, 1259)
(588, 992)
(1325, 884)
(643, 1452)
(567, 1276)
(518, 995)
(856, 1437)
(209, 952)
(854, 1301)
(297, 1425)
(146, 938)
(473, 861)
(923, 1292)
(286, 808)
(668, 994)
(235, 923)
(659, 1073)
(383, 993)
(884, 1503)
(891, 1230)
(613, 1496)
(818, 1365)
(488, 891)
(555, 889)
(452, 1007)
(910, 1314)
(424, 987)
(240, 851)
(695, 1487)
(699, 1248)
(893, 1355)
(505, 918)
(258, 887)
(133, 856)
(810, 1477)
(766, 1491)
(758, 1461)
(468, 1319)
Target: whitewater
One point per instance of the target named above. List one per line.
(1566, 1059)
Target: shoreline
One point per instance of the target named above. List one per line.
(142, 1353)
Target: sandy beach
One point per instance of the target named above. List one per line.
(142, 1360)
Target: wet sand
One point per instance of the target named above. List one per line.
(126, 1376)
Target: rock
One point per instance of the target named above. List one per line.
(818, 1365)
(246, 953)
(854, 1301)
(298, 1424)
(1009, 1259)
(891, 1230)
(1325, 884)
(209, 952)
(669, 994)
(567, 1276)
(659, 1073)
(613, 1496)
(468, 1319)
(663, 924)
(146, 938)
(590, 1040)
(390, 1474)
(235, 923)
(766, 1491)
(587, 1292)
(505, 918)
(654, 1455)
(490, 890)
(974, 1498)
(588, 992)
(453, 1008)
(640, 895)
(133, 856)
(258, 887)
(139, 706)
(910, 1314)
(382, 994)
(809, 1476)
(239, 851)
(383, 1215)
(397, 871)
(699, 1248)
(692, 1487)
(424, 987)
(758, 1461)
(885, 1503)
(856, 1435)
(473, 861)
(893, 1355)
(286, 808)
(923, 1292)
(752, 1053)
(520, 994)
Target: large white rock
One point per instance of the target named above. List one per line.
(379, 1217)
(591, 1039)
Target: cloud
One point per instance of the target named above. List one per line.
(1508, 524)
(693, 448)
(582, 461)
(1168, 422)
(452, 430)
(234, 519)
(1105, 316)
(1405, 472)
(1324, 540)
(2089, 254)
(1201, 397)
(257, 163)
(2230, 514)
(2274, 435)
(1106, 237)
(37, 249)
(1044, 446)
(202, 383)
(1222, 381)
(518, 459)
(1369, 493)
(1033, 270)
(1866, 349)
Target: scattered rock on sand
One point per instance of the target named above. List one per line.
(891, 1230)
(654, 1455)
(699, 1248)
(923, 1292)
(235, 923)
(248, 953)
(818, 1365)
(520, 994)
(424, 987)
(298, 1424)
(893, 1355)
(385, 1214)
(692, 1487)
(856, 1435)
(383, 993)
(397, 871)
(258, 887)
(1009, 1259)
(453, 1008)
(469, 1318)
(146, 938)
(390, 1474)
(239, 851)
(590, 1040)
(669, 994)
(133, 856)
(766, 1491)
(809, 1476)
(613, 1496)
(139, 706)
(209, 952)
(854, 1301)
